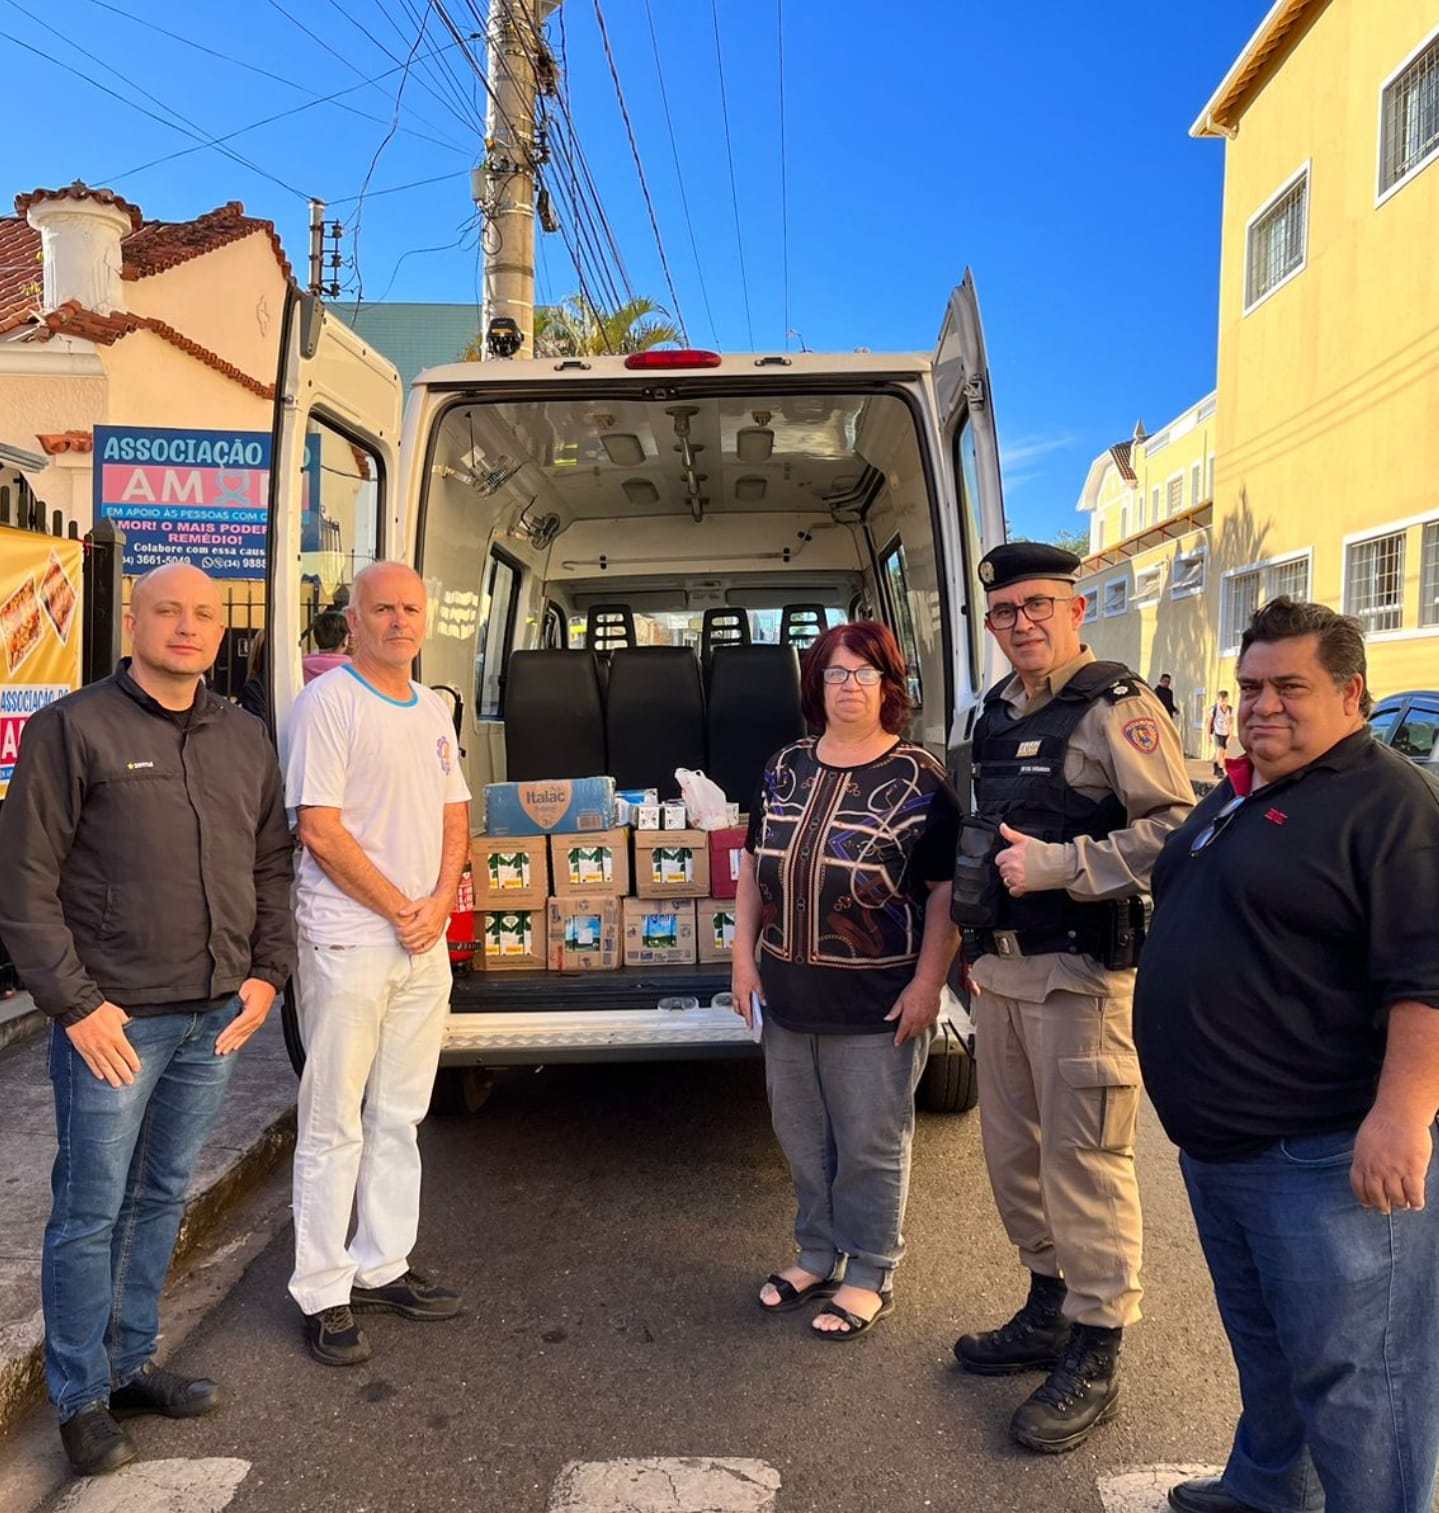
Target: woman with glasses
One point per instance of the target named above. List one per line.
(843, 940)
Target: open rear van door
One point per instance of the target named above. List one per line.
(335, 482)
(971, 445)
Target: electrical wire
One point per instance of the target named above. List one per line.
(640, 171)
(783, 170)
(375, 194)
(680, 178)
(733, 184)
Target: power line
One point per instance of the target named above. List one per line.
(783, 169)
(679, 175)
(375, 194)
(733, 185)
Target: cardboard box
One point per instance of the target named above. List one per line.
(628, 801)
(510, 940)
(583, 933)
(726, 849)
(567, 805)
(672, 864)
(673, 816)
(598, 863)
(510, 873)
(659, 930)
(714, 929)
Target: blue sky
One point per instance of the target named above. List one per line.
(1044, 145)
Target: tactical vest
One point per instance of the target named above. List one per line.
(1020, 782)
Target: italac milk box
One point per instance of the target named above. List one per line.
(571, 805)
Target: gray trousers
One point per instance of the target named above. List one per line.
(843, 1109)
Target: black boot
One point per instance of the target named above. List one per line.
(95, 1443)
(1031, 1341)
(1081, 1393)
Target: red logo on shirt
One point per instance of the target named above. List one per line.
(1276, 816)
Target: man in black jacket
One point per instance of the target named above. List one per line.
(147, 906)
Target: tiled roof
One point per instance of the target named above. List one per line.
(71, 319)
(1122, 451)
(56, 442)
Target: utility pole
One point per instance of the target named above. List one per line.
(317, 247)
(505, 186)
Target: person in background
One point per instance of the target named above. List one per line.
(1165, 694)
(146, 900)
(844, 890)
(1221, 727)
(254, 695)
(330, 631)
(1079, 777)
(384, 817)
(1287, 1018)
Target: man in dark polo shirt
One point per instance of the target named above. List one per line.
(1287, 1020)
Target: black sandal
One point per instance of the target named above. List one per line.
(857, 1324)
(791, 1296)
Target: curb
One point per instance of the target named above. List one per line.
(22, 1345)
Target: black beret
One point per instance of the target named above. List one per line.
(1017, 561)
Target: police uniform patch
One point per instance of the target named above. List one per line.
(1143, 735)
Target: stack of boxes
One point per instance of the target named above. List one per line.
(574, 877)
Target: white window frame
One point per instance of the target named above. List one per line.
(1263, 568)
(1123, 609)
(1381, 194)
(1148, 595)
(1179, 590)
(1393, 528)
(1090, 594)
(1428, 607)
(1294, 178)
(1169, 483)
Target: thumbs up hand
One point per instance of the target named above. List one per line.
(1013, 861)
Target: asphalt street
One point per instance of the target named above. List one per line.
(609, 1227)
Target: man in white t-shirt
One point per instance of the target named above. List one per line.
(1221, 727)
(372, 769)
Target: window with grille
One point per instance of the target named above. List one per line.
(1091, 601)
(1278, 237)
(1190, 570)
(1290, 578)
(1194, 487)
(1429, 575)
(1174, 501)
(1409, 118)
(1116, 596)
(1241, 599)
(1374, 582)
(1148, 583)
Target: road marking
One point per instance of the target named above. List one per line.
(1145, 1489)
(691, 1484)
(160, 1486)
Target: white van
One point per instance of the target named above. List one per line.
(680, 524)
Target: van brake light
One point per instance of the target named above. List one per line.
(686, 357)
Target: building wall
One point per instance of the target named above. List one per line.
(31, 407)
(153, 383)
(1329, 388)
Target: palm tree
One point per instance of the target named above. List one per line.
(575, 328)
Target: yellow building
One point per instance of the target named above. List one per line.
(1148, 578)
(1328, 378)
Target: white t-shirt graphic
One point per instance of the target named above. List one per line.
(390, 767)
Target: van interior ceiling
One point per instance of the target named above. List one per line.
(659, 541)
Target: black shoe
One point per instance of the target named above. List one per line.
(1081, 1393)
(414, 1295)
(1207, 1495)
(1031, 1341)
(156, 1391)
(95, 1443)
(334, 1338)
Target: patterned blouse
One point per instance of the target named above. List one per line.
(843, 859)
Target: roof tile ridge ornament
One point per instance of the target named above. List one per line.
(80, 190)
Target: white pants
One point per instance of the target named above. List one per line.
(372, 1019)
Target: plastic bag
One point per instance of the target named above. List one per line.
(704, 799)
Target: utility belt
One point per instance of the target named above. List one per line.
(1114, 939)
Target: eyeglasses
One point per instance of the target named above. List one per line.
(1039, 607)
(866, 677)
(1217, 825)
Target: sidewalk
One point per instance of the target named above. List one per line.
(254, 1133)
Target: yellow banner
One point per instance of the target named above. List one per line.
(40, 634)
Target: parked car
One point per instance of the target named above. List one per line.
(1409, 724)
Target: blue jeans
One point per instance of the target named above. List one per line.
(1332, 1312)
(843, 1109)
(124, 1162)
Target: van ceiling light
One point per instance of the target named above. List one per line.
(624, 449)
(640, 491)
(754, 443)
(749, 490)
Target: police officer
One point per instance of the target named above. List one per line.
(1079, 777)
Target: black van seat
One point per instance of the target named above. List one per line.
(654, 716)
(608, 627)
(554, 716)
(722, 627)
(754, 709)
(802, 625)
